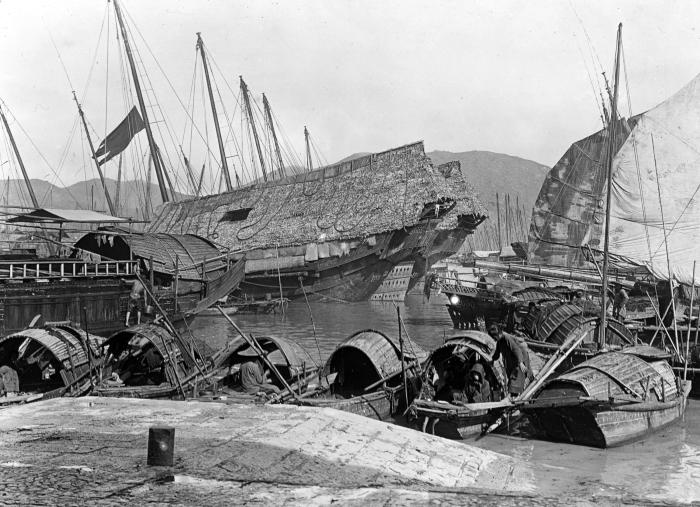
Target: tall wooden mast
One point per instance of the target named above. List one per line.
(222, 152)
(27, 182)
(251, 120)
(117, 194)
(309, 163)
(110, 204)
(142, 106)
(271, 126)
(608, 171)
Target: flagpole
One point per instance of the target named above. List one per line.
(94, 157)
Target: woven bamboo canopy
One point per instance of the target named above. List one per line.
(370, 195)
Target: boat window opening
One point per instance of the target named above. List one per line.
(236, 215)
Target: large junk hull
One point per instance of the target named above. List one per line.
(336, 231)
(102, 302)
(606, 426)
(352, 276)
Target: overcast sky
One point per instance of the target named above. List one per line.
(503, 76)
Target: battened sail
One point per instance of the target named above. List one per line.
(569, 214)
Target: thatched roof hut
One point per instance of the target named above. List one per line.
(356, 199)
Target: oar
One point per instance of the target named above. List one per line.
(258, 350)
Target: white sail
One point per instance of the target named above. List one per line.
(636, 229)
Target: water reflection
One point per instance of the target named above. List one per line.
(426, 322)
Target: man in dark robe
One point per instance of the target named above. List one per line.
(515, 359)
(478, 388)
(253, 378)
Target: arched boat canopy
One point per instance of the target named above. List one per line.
(165, 344)
(478, 341)
(472, 340)
(619, 374)
(537, 295)
(555, 324)
(188, 250)
(65, 344)
(280, 351)
(379, 350)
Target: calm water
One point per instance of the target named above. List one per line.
(426, 323)
(665, 467)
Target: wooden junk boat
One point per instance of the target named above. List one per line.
(366, 376)
(322, 232)
(91, 286)
(46, 362)
(442, 406)
(610, 399)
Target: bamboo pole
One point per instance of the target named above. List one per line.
(253, 343)
(668, 258)
(403, 364)
(690, 319)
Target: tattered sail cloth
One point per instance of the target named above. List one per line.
(120, 137)
(657, 164)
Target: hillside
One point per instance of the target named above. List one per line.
(492, 172)
(84, 195)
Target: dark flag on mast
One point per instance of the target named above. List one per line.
(120, 137)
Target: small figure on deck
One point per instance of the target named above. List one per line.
(254, 379)
(515, 359)
(620, 304)
(137, 298)
(478, 389)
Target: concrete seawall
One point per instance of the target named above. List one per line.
(94, 450)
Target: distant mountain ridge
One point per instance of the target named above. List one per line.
(83, 195)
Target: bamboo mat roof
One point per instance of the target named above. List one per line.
(369, 195)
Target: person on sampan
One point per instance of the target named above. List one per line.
(478, 389)
(254, 380)
(515, 359)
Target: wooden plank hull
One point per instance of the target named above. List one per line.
(601, 426)
(449, 421)
(105, 302)
(378, 405)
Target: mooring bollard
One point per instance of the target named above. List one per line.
(161, 446)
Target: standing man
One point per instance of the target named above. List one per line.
(137, 299)
(620, 304)
(515, 359)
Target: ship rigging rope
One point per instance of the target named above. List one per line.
(321, 172)
(313, 324)
(160, 68)
(636, 158)
(326, 203)
(570, 173)
(264, 215)
(367, 196)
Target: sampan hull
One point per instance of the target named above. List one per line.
(605, 426)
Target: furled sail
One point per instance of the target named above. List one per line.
(569, 214)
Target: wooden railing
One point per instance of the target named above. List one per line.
(64, 268)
